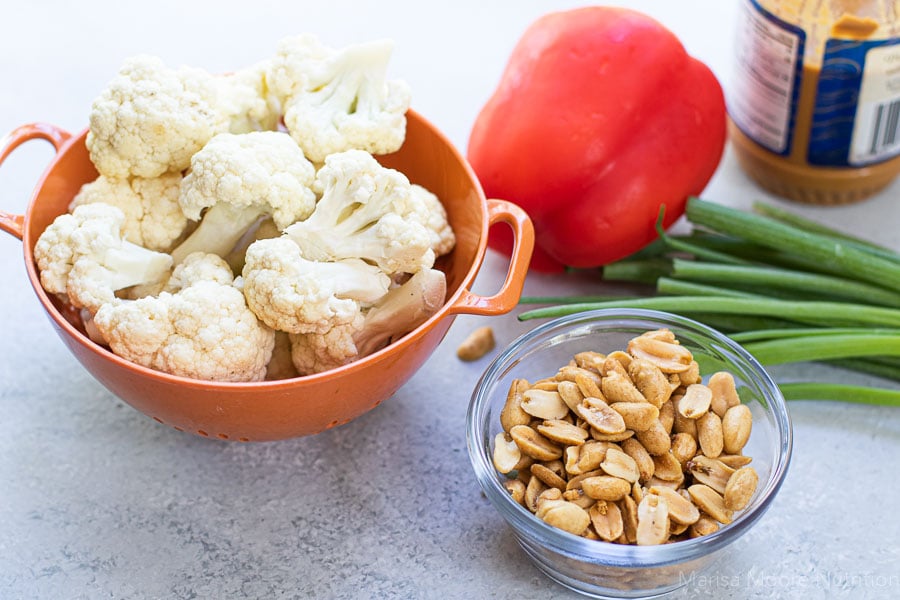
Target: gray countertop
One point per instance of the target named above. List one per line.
(100, 501)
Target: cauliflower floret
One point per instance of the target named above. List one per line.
(153, 217)
(290, 293)
(84, 257)
(365, 211)
(400, 311)
(151, 119)
(432, 214)
(204, 330)
(336, 100)
(281, 365)
(246, 100)
(239, 178)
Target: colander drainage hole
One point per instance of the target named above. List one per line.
(203, 433)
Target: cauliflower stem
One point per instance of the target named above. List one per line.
(400, 311)
(219, 231)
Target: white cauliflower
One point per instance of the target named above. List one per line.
(432, 214)
(365, 211)
(151, 119)
(292, 294)
(235, 180)
(246, 101)
(400, 311)
(281, 365)
(84, 257)
(336, 100)
(202, 330)
(153, 217)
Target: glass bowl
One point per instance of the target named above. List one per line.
(604, 569)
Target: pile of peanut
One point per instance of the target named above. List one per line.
(628, 447)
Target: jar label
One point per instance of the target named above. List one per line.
(856, 117)
(769, 64)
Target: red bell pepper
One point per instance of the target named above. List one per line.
(599, 118)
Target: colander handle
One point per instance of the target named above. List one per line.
(11, 223)
(506, 299)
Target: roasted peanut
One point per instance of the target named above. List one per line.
(600, 416)
(710, 471)
(655, 439)
(641, 457)
(506, 453)
(736, 426)
(533, 444)
(705, 525)
(740, 488)
(570, 394)
(681, 509)
(516, 490)
(638, 416)
(477, 344)
(589, 387)
(563, 432)
(735, 461)
(724, 392)
(650, 381)
(709, 501)
(544, 404)
(669, 357)
(564, 515)
(607, 520)
(667, 467)
(512, 414)
(611, 437)
(628, 508)
(573, 372)
(667, 415)
(695, 402)
(574, 483)
(577, 496)
(605, 487)
(691, 375)
(618, 464)
(709, 434)
(623, 358)
(533, 489)
(684, 448)
(617, 386)
(592, 361)
(548, 476)
(680, 423)
(586, 457)
(653, 521)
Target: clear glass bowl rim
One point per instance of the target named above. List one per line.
(525, 523)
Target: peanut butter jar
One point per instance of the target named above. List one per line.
(814, 107)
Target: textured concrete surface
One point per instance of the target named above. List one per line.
(99, 501)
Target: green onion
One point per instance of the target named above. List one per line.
(769, 334)
(826, 313)
(813, 227)
(840, 393)
(639, 271)
(570, 299)
(821, 347)
(764, 277)
(676, 287)
(848, 259)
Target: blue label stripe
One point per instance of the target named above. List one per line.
(837, 98)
